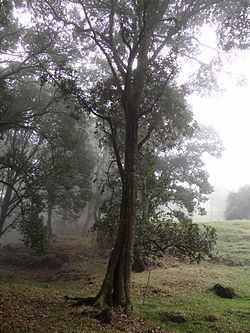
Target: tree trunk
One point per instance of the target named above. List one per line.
(91, 214)
(115, 289)
(87, 222)
(95, 200)
(4, 209)
(138, 263)
(49, 221)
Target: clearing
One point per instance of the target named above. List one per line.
(32, 289)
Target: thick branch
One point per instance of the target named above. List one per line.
(113, 138)
(20, 201)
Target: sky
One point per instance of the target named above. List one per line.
(229, 113)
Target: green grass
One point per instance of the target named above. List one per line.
(234, 239)
(185, 290)
(36, 305)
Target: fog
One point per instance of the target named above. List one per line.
(228, 112)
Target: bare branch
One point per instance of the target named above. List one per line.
(60, 18)
(147, 136)
(11, 34)
(173, 31)
(20, 200)
(159, 95)
(100, 45)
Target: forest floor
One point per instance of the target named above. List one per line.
(32, 289)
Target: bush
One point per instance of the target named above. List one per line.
(160, 234)
(34, 234)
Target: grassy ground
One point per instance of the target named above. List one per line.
(234, 239)
(31, 291)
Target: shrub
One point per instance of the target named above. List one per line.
(34, 233)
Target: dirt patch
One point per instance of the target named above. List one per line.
(174, 317)
(31, 261)
(211, 318)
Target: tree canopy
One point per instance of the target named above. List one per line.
(238, 204)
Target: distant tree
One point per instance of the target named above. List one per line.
(92, 213)
(46, 158)
(216, 205)
(18, 174)
(43, 147)
(238, 204)
(30, 224)
(67, 166)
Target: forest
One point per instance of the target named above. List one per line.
(102, 169)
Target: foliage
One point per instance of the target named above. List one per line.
(57, 161)
(68, 166)
(34, 233)
(182, 239)
(171, 187)
(42, 138)
(238, 204)
(162, 234)
(170, 166)
(42, 143)
(18, 173)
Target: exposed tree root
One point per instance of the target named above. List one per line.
(105, 315)
(79, 301)
(97, 302)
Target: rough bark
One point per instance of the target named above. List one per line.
(4, 209)
(115, 289)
